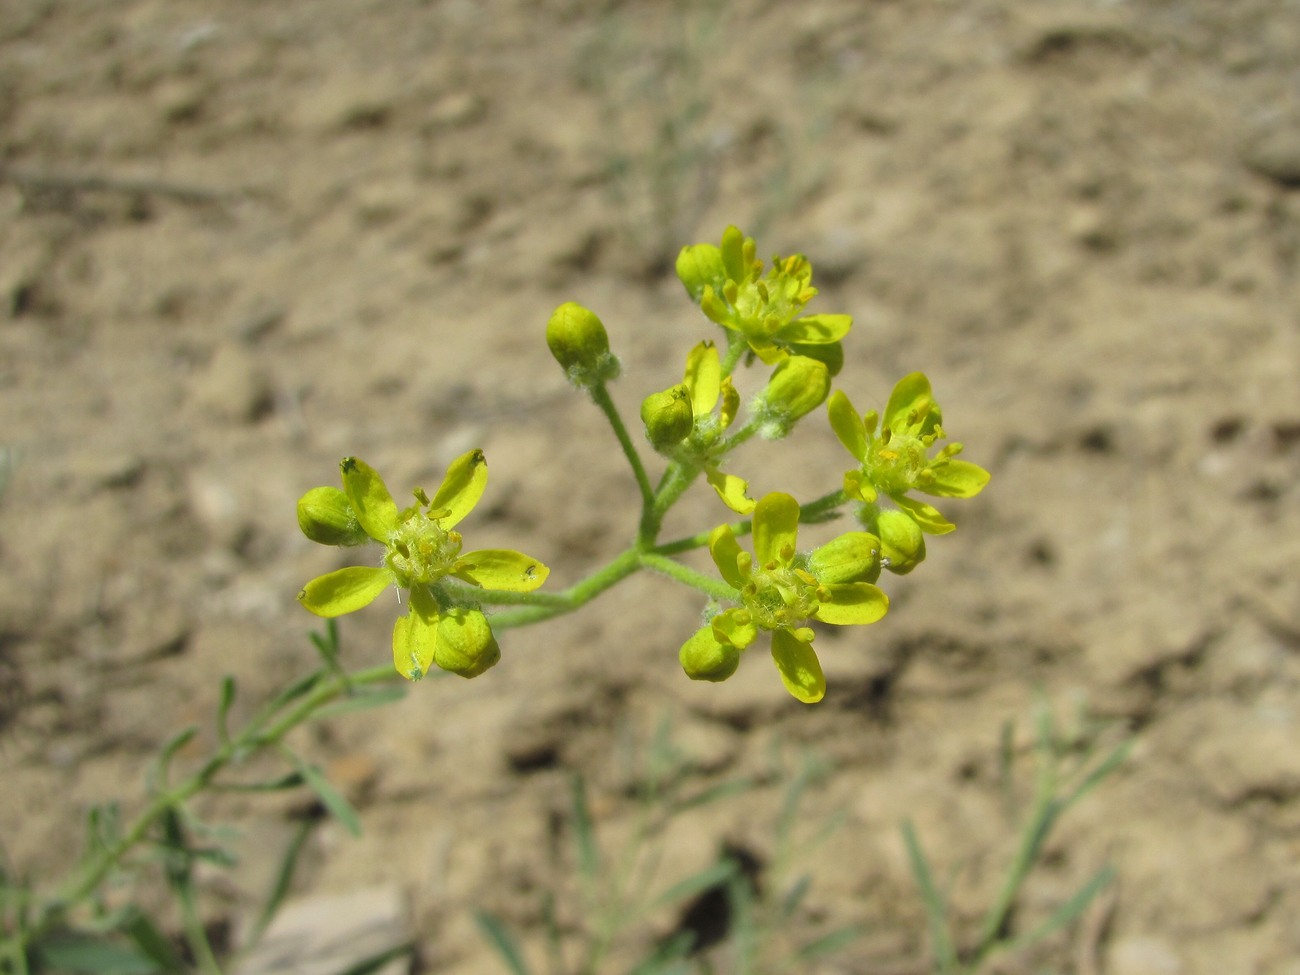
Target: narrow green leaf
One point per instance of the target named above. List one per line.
(713, 794)
(282, 882)
(327, 643)
(936, 911)
(152, 943)
(86, 955)
(334, 801)
(499, 938)
(1107, 765)
(295, 690)
(290, 780)
(584, 835)
(697, 883)
(794, 897)
(223, 708)
(361, 701)
(377, 961)
(831, 942)
(1067, 913)
(162, 765)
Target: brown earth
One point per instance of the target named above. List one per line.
(242, 240)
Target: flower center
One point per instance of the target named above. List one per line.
(779, 596)
(895, 463)
(420, 552)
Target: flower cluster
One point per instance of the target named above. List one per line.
(778, 590)
(894, 454)
(421, 551)
(728, 284)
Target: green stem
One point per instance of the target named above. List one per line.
(600, 396)
(689, 577)
(677, 478)
(736, 346)
(575, 596)
(258, 734)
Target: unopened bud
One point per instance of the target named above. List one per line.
(704, 658)
(466, 645)
(325, 515)
(798, 386)
(578, 340)
(901, 541)
(668, 417)
(699, 266)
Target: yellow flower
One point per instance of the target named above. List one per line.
(778, 590)
(420, 551)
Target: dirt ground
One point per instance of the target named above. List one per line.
(239, 241)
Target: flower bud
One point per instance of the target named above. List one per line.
(704, 658)
(700, 266)
(466, 645)
(578, 341)
(902, 543)
(325, 515)
(798, 386)
(668, 417)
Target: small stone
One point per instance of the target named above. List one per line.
(333, 933)
(1144, 956)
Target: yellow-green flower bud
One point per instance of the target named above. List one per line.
(578, 340)
(703, 657)
(668, 417)
(798, 386)
(466, 645)
(699, 266)
(902, 544)
(326, 516)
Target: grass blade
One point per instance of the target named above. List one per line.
(935, 909)
(500, 939)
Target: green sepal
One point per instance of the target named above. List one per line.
(925, 515)
(461, 489)
(465, 644)
(954, 479)
(325, 516)
(800, 670)
(344, 590)
(501, 569)
(851, 557)
(853, 604)
(847, 425)
(415, 636)
(776, 528)
(704, 657)
(375, 508)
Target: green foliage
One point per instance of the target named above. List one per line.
(1067, 768)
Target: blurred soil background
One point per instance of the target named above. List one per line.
(239, 241)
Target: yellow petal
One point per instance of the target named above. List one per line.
(344, 591)
(461, 488)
